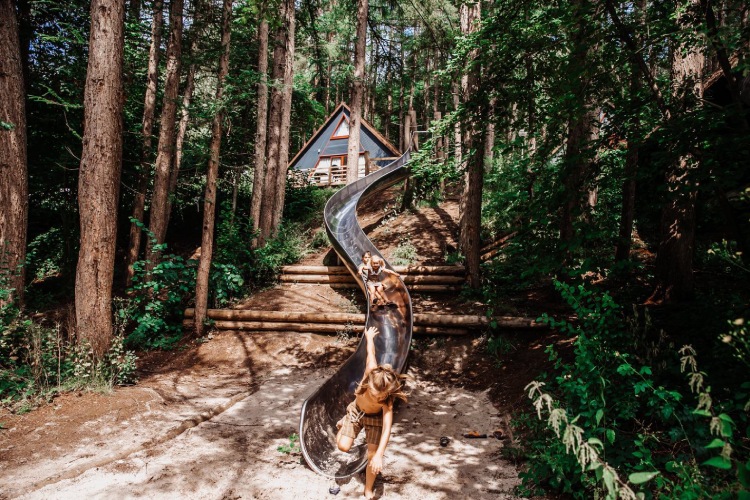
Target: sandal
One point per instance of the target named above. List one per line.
(475, 435)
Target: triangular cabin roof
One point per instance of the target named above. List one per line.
(325, 142)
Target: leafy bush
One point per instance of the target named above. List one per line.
(404, 254)
(37, 362)
(286, 248)
(615, 416)
(304, 204)
(157, 302)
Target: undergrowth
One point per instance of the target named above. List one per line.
(627, 413)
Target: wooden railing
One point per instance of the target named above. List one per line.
(336, 176)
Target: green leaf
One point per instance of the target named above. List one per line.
(642, 477)
(743, 495)
(610, 436)
(702, 413)
(595, 442)
(609, 480)
(726, 418)
(744, 476)
(599, 415)
(719, 462)
(716, 443)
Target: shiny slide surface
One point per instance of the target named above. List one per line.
(324, 407)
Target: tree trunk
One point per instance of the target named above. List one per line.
(355, 106)
(197, 31)
(627, 212)
(25, 35)
(286, 116)
(581, 125)
(577, 166)
(209, 205)
(489, 137)
(262, 121)
(674, 257)
(149, 109)
(14, 189)
(182, 127)
(99, 176)
(407, 200)
(275, 122)
(471, 197)
(165, 155)
(457, 139)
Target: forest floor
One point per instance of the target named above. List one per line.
(207, 420)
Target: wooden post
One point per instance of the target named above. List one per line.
(407, 130)
(367, 164)
(413, 123)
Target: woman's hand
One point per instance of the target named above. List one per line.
(376, 464)
(371, 332)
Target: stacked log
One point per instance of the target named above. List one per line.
(489, 251)
(326, 322)
(417, 278)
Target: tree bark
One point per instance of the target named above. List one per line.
(581, 125)
(14, 190)
(471, 197)
(278, 121)
(489, 137)
(262, 121)
(149, 110)
(674, 257)
(457, 137)
(627, 212)
(199, 20)
(25, 35)
(99, 176)
(286, 116)
(355, 106)
(165, 155)
(209, 205)
(182, 126)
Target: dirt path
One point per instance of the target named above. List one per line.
(207, 422)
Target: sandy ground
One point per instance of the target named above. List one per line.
(226, 445)
(206, 422)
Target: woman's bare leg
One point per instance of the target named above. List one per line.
(344, 442)
(369, 476)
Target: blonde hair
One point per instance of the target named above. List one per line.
(383, 379)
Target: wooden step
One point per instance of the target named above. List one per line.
(407, 270)
(420, 319)
(348, 278)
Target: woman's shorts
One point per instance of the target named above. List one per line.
(355, 419)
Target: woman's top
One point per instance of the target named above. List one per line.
(373, 275)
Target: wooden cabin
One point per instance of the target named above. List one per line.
(322, 160)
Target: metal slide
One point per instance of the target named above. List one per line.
(327, 404)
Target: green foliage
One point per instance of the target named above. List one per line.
(320, 240)
(404, 254)
(616, 415)
(287, 247)
(37, 362)
(499, 346)
(293, 448)
(157, 301)
(304, 204)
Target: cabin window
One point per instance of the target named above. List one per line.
(342, 130)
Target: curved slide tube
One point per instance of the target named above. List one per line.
(327, 404)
